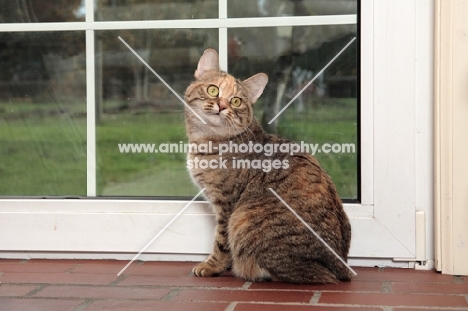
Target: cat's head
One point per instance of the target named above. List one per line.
(222, 101)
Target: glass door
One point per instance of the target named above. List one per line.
(94, 127)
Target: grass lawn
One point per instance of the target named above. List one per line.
(45, 155)
(329, 121)
(142, 174)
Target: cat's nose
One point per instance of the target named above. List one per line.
(222, 104)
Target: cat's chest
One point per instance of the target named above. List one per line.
(217, 172)
(213, 166)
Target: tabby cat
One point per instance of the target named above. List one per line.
(256, 235)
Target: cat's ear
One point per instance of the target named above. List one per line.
(208, 61)
(255, 86)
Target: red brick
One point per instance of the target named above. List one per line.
(190, 281)
(164, 268)
(9, 261)
(392, 300)
(243, 295)
(59, 278)
(59, 261)
(43, 266)
(429, 288)
(282, 307)
(96, 292)
(402, 275)
(65, 288)
(354, 286)
(7, 290)
(420, 275)
(137, 268)
(38, 304)
(156, 305)
(99, 266)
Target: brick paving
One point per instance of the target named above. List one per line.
(81, 285)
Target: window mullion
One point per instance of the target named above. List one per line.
(223, 36)
(89, 6)
(90, 103)
(90, 114)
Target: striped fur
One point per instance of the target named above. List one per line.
(256, 235)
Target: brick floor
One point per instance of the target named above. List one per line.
(81, 285)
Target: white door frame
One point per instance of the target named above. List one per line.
(450, 152)
(395, 162)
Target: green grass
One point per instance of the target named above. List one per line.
(43, 157)
(45, 154)
(142, 174)
(332, 121)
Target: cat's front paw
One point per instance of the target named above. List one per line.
(205, 269)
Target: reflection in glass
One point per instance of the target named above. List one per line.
(134, 107)
(42, 114)
(133, 10)
(327, 111)
(274, 8)
(35, 11)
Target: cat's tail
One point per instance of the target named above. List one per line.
(310, 273)
(342, 273)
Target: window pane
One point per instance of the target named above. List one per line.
(273, 8)
(131, 10)
(34, 11)
(135, 107)
(327, 111)
(42, 114)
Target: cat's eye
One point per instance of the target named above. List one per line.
(213, 90)
(236, 101)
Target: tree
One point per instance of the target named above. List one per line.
(34, 11)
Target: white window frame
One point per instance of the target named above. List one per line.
(396, 158)
(450, 128)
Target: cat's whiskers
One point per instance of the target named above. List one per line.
(230, 121)
(253, 134)
(230, 126)
(245, 131)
